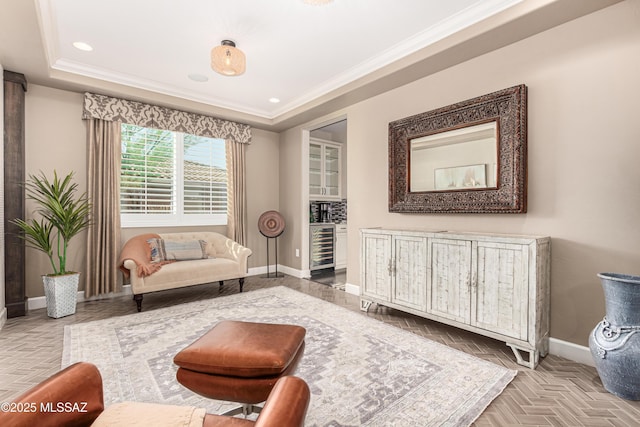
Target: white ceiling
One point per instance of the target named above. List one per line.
(315, 59)
(295, 52)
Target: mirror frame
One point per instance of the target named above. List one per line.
(508, 108)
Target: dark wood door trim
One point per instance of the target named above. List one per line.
(15, 86)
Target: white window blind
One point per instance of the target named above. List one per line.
(170, 178)
(205, 176)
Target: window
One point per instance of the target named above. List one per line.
(171, 178)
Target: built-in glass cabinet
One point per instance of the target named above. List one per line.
(325, 169)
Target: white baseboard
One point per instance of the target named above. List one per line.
(352, 289)
(35, 303)
(300, 274)
(256, 271)
(571, 351)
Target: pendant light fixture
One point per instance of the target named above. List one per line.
(317, 2)
(227, 59)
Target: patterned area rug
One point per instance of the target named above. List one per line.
(361, 372)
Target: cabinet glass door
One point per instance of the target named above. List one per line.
(332, 171)
(315, 170)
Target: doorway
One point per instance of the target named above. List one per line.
(328, 203)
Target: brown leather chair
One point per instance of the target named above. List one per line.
(82, 383)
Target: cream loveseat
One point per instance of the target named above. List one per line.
(223, 260)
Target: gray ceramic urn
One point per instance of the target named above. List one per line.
(615, 341)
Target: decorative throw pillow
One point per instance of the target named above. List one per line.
(174, 250)
(157, 250)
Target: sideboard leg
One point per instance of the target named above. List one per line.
(364, 305)
(534, 356)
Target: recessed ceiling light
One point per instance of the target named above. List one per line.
(83, 46)
(198, 77)
(317, 2)
(274, 100)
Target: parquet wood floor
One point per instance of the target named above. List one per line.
(558, 393)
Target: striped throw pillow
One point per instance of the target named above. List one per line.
(173, 250)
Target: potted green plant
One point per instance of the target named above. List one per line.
(61, 215)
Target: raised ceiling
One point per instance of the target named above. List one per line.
(295, 51)
(309, 57)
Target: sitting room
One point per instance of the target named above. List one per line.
(320, 212)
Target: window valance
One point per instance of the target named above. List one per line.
(146, 115)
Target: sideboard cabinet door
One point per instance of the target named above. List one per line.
(375, 266)
(409, 277)
(501, 289)
(394, 269)
(449, 293)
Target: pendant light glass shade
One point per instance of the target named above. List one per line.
(227, 59)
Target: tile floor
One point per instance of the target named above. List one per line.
(558, 393)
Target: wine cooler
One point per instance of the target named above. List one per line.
(322, 238)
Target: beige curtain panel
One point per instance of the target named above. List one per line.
(104, 115)
(236, 192)
(103, 190)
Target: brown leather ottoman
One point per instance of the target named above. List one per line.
(240, 361)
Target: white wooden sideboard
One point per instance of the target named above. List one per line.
(494, 285)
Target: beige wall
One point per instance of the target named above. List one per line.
(584, 146)
(292, 200)
(55, 139)
(263, 165)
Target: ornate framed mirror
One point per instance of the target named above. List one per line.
(469, 157)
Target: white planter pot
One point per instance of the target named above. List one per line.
(60, 293)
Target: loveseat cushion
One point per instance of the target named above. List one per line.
(170, 250)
